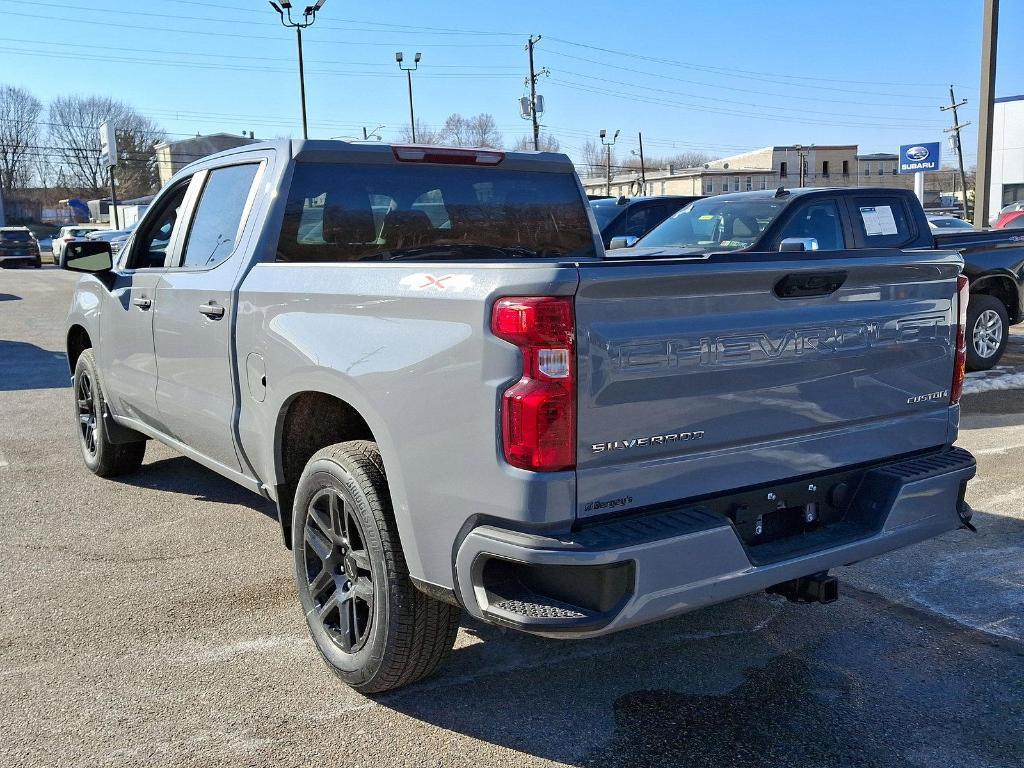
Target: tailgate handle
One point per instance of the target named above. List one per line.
(804, 284)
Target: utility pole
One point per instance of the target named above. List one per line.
(955, 130)
(608, 158)
(801, 154)
(643, 174)
(308, 17)
(530, 107)
(399, 57)
(989, 38)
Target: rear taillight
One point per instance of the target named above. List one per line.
(538, 412)
(963, 291)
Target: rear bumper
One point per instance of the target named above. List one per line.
(624, 572)
(11, 260)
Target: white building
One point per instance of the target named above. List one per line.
(1007, 185)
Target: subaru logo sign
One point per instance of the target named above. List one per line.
(915, 158)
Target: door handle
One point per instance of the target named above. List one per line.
(213, 310)
(804, 285)
(142, 302)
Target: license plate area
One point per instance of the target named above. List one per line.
(791, 509)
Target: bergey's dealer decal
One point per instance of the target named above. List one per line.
(421, 281)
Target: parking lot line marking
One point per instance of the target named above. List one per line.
(997, 449)
(3, 459)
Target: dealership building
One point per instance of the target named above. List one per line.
(1007, 180)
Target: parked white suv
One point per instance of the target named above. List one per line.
(68, 235)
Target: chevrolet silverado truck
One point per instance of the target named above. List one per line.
(458, 401)
(858, 218)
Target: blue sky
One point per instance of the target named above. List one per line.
(718, 76)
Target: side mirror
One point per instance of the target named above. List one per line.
(90, 256)
(799, 244)
(623, 241)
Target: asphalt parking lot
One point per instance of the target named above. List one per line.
(152, 620)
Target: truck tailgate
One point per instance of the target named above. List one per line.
(697, 377)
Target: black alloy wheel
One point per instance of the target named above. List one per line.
(86, 411)
(338, 571)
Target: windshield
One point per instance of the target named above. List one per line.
(716, 224)
(605, 213)
(339, 212)
(950, 223)
(20, 235)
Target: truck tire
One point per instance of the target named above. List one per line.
(101, 456)
(374, 629)
(988, 326)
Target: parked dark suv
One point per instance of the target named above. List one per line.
(18, 247)
(634, 217)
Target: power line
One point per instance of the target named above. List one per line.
(910, 120)
(244, 68)
(731, 72)
(711, 110)
(93, 46)
(150, 29)
(924, 103)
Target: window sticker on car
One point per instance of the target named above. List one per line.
(878, 220)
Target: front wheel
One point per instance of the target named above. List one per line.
(374, 629)
(101, 456)
(988, 327)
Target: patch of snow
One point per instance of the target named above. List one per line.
(990, 383)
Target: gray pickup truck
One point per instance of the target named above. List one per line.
(459, 401)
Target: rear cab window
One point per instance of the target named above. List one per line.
(338, 212)
(881, 221)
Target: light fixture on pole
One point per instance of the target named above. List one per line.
(608, 159)
(400, 57)
(284, 10)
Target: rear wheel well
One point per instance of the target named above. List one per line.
(312, 420)
(1002, 288)
(78, 342)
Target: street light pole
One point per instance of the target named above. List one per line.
(399, 57)
(284, 11)
(608, 159)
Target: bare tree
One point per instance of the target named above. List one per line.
(476, 131)
(458, 131)
(20, 133)
(74, 139)
(483, 132)
(455, 130)
(691, 159)
(424, 134)
(546, 143)
(593, 158)
(137, 173)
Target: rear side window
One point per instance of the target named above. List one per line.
(881, 222)
(218, 216)
(819, 220)
(338, 212)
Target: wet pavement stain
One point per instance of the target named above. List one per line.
(795, 713)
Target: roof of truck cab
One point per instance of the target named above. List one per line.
(337, 150)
